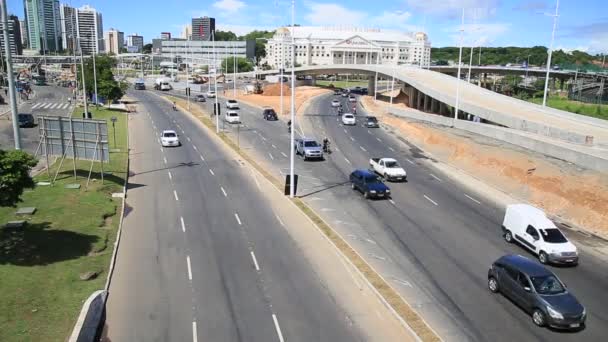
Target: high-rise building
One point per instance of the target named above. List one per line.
(165, 35)
(43, 25)
(187, 32)
(24, 34)
(114, 40)
(14, 36)
(202, 28)
(86, 25)
(135, 43)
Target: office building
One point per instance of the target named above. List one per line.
(347, 45)
(135, 43)
(202, 28)
(114, 41)
(186, 32)
(84, 25)
(43, 25)
(165, 35)
(14, 36)
(24, 34)
(201, 52)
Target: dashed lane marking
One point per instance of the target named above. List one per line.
(430, 200)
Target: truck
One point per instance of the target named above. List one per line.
(162, 84)
(388, 168)
(276, 79)
(308, 148)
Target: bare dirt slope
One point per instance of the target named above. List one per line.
(272, 99)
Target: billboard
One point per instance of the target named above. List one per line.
(74, 138)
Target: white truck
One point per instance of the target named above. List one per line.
(162, 84)
(388, 168)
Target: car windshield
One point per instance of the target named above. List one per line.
(169, 135)
(372, 179)
(553, 235)
(232, 101)
(391, 164)
(372, 119)
(311, 144)
(547, 285)
(232, 114)
(349, 116)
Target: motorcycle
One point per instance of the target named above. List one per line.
(326, 148)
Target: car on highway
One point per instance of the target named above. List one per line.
(232, 104)
(530, 227)
(269, 114)
(369, 184)
(537, 291)
(211, 94)
(309, 149)
(169, 138)
(139, 85)
(349, 119)
(338, 91)
(200, 98)
(388, 168)
(352, 99)
(371, 122)
(232, 116)
(26, 120)
(335, 103)
(345, 93)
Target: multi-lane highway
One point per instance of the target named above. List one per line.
(434, 240)
(205, 255)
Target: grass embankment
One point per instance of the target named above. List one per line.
(72, 232)
(588, 109)
(342, 84)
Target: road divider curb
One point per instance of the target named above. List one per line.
(409, 318)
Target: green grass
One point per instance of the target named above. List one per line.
(72, 232)
(342, 84)
(594, 110)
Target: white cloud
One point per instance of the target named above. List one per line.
(478, 34)
(594, 34)
(332, 14)
(229, 5)
(394, 19)
(532, 6)
(453, 8)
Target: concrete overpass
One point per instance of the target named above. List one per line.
(435, 92)
(500, 70)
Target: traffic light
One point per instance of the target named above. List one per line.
(188, 91)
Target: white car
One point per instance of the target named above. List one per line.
(169, 138)
(530, 227)
(352, 99)
(349, 119)
(232, 117)
(335, 103)
(232, 104)
(210, 94)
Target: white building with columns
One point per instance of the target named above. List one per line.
(315, 45)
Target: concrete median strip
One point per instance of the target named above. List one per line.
(386, 293)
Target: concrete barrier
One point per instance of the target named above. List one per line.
(87, 328)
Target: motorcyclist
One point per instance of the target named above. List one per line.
(325, 145)
(340, 110)
(174, 106)
(289, 126)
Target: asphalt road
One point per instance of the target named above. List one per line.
(186, 269)
(435, 240)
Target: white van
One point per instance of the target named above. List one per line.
(530, 227)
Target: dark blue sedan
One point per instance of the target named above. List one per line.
(369, 184)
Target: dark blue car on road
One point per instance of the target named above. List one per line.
(369, 184)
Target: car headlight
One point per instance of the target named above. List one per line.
(388, 190)
(584, 313)
(554, 314)
(372, 191)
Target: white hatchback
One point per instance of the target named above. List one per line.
(232, 117)
(169, 138)
(335, 103)
(349, 119)
(210, 94)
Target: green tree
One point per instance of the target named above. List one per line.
(260, 41)
(225, 36)
(243, 65)
(147, 48)
(107, 86)
(15, 166)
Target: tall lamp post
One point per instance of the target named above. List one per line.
(293, 101)
(458, 76)
(216, 108)
(550, 52)
(11, 79)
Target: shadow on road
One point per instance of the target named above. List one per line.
(324, 188)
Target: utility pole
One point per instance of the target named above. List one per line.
(376, 82)
(94, 68)
(216, 109)
(281, 83)
(11, 79)
(470, 63)
(458, 75)
(293, 101)
(84, 87)
(188, 72)
(234, 71)
(550, 53)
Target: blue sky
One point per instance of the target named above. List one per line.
(582, 24)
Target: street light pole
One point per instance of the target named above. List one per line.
(11, 79)
(458, 76)
(188, 72)
(376, 82)
(216, 109)
(550, 53)
(470, 63)
(293, 101)
(282, 77)
(84, 87)
(95, 69)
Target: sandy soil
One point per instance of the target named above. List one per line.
(575, 195)
(302, 95)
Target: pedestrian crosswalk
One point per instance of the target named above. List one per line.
(51, 105)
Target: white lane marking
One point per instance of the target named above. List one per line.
(409, 161)
(392, 149)
(270, 154)
(194, 147)
(255, 261)
(345, 131)
(369, 132)
(472, 199)
(48, 105)
(437, 178)
(263, 137)
(348, 161)
(379, 139)
(273, 146)
(211, 172)
(183, 224)
(284, 155)
(175, 194)
(362, 149)
(194, 334)
(392, 202)
(202, 158)
(238, 219)
(351, 138)
(162, 150)
(158, 140)
(279, 219)
(188, 138)
(224, 191)
(278, 328)
(53, 105)
(36, 106)
(337, 149)
(430, 200)
(165, 160)
(170, 176)
(189, 267)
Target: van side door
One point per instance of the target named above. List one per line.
(532, 238)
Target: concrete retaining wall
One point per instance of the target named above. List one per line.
(510, 136)
(92, 313)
